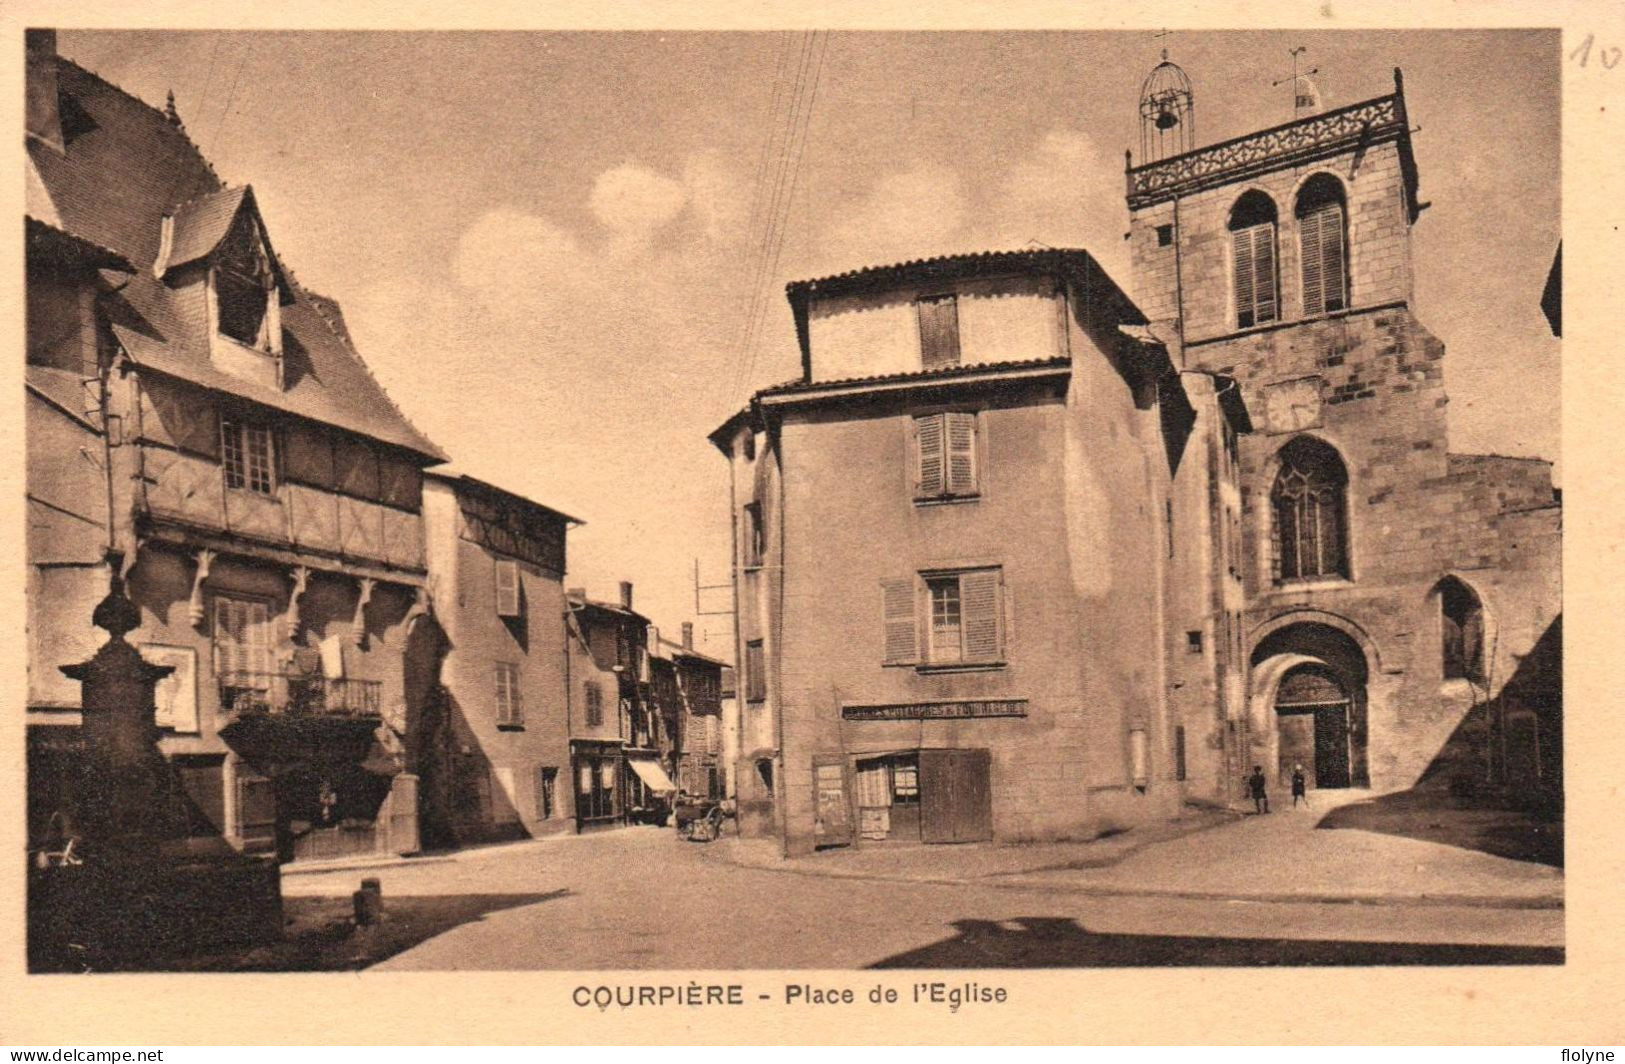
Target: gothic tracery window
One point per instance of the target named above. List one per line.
(1311, 512)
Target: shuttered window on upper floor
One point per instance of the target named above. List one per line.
(1253, 274)
(939, 331)
(944, 456)
(1321, 245)
(510, 703)
(507, 587)
(944, 618)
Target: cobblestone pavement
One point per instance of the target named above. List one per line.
(639, 898)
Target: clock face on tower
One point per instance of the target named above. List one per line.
(1292, 406)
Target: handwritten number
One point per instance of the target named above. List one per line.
(1608, 57)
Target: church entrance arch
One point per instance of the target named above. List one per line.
(1309, 699)
(1312, 721)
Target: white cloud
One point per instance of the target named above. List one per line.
(909, 214)
(633, 201)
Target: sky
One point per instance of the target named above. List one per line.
(563, 254)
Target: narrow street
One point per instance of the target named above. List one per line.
(639, 898)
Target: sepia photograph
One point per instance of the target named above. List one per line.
(792, 499)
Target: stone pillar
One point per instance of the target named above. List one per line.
(122, 784)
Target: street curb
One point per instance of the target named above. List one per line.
(317, 868)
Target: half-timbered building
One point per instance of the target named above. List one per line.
(203, 423)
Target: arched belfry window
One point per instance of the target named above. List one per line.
(1322, 243)
(1461, 623)
(1252, 235)
(1311, 511)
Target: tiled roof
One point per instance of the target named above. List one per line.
(943, 268)
(200, 224)
(456, 478)
(923, 375)
(114, 185)
(52, 243)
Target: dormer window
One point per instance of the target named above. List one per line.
(245, 292)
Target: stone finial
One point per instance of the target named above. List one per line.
(116, 614)
(170, 113)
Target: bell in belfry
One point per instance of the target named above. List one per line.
(1167, 113)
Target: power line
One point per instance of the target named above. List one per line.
(789, 201)
(770, 223)
(225, 112)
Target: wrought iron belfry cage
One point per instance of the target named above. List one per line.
(1167, 113)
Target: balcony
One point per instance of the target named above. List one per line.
(298, 695)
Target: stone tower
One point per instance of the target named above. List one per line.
(1392, 588)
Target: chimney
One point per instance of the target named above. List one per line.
(626, 594)
(44, 116)
(688, 636)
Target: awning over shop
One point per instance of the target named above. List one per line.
(650, 772)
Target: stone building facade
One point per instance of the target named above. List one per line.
(496, 733)
(1393, 588)
(956, 540)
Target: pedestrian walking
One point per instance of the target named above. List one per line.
(1300, 788)
(1255, 784)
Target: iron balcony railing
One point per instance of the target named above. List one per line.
(298, 694)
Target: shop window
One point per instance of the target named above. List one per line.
(1252, 238)
(1311, 512)
(248, 457)
(944, 458)
(939, 331)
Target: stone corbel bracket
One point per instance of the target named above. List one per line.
(205, 559)
(301, 578)
(358, 627)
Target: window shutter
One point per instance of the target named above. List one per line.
(930, 443)
(979, 605)
(595, 704)
(897, 608)
(1264, 273)
(507, 588)
(1332, 271)
(1310, 235)
(939, 332)
(961, 453)
(1242, 243)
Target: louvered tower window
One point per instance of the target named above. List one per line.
(1252, 238)
(1311, 511)
(1322, 244)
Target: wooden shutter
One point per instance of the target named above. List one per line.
(595, 704)
(1242, 245)
(961, 454)
(939, 331)
(507, 577)
(1264, 273)
(755, 672)
(1333, 270)
(901, 631)
(929, 443)
(979, 610)
(1309, 246)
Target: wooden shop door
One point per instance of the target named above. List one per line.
(956, 796)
